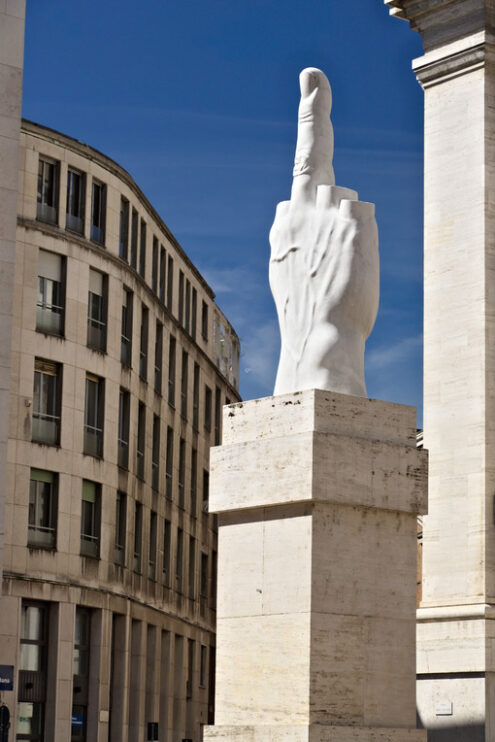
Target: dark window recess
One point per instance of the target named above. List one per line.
(194, 313)
(179, 556)
(42, 518)
(126, 332)
(184, 385)
(158, 357)
(142, 249)
(138, 537)
(123, 433)
(51, 293)
(47, 396)
(167, 538)
(208, 398)
(171, 371)
(170, 282)
(192, 567)
(169, 464)
(218, 416)
(206, 491)
(134, 238)
(48, 180)
(182, 473)
(163, 270)
(74, 216)
(195, 420)
(181, 298)
(120, 527)
(90, 519)
(94, 415)
(97, 310)
(124, 229)
(187, 311)
(98, 212)
(155, 453)
(194, 481)
(152, 546)
(204, 320)
(141, 435)
(154, 266)
(143, 345)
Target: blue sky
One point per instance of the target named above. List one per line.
(198, 101)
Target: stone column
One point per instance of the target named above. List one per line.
(11, 64)
(456, 627)
(317, 495)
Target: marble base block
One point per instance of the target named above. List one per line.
(317, 495)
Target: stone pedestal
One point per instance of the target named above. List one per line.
(317, 495)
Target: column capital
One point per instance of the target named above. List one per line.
(444, 21)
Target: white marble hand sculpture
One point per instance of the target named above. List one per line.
(324, 267)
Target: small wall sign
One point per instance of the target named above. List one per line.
(6, 677)
(443, 708)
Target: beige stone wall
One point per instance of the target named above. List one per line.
(11, 63)
(152, 611)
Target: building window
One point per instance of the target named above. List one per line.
(141, 436)
(142, 249)
(187, 313)
(169, 464)
(138, 536)
(152, 547)
(194, 481)
(179, 556)
(134, 239)
(90, 519)
(204, 320)
(46, 402)
(42, 518)
(195, 420)
(80, 683)
(213, 581)
(51, 293)
(163, 266)
(183, 385)
(167, 532)
(190, 669)
(170, 282)
(182, 473)
(120, 527)
(218, 416)
(74, 216)
(192, 567)
(143, 344)
(48, 178)
(126, 336)
(32, 671)
(97, 310)
(154, 266)
(194, 313)
(93, 416)
(203, 584)
(155, 453)
(206, 491)
(98, 208)
(124, 229)
(207, 408)
(123, 439)
(203, 666)
(181, 298)
(171, 371)
(158, 356)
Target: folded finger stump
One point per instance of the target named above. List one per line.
(317, 495)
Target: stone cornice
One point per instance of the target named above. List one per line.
(431, 71)
(442, 22)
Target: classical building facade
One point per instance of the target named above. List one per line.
(120, 365)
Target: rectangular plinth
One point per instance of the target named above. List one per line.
(317, 569)
(315, 733)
